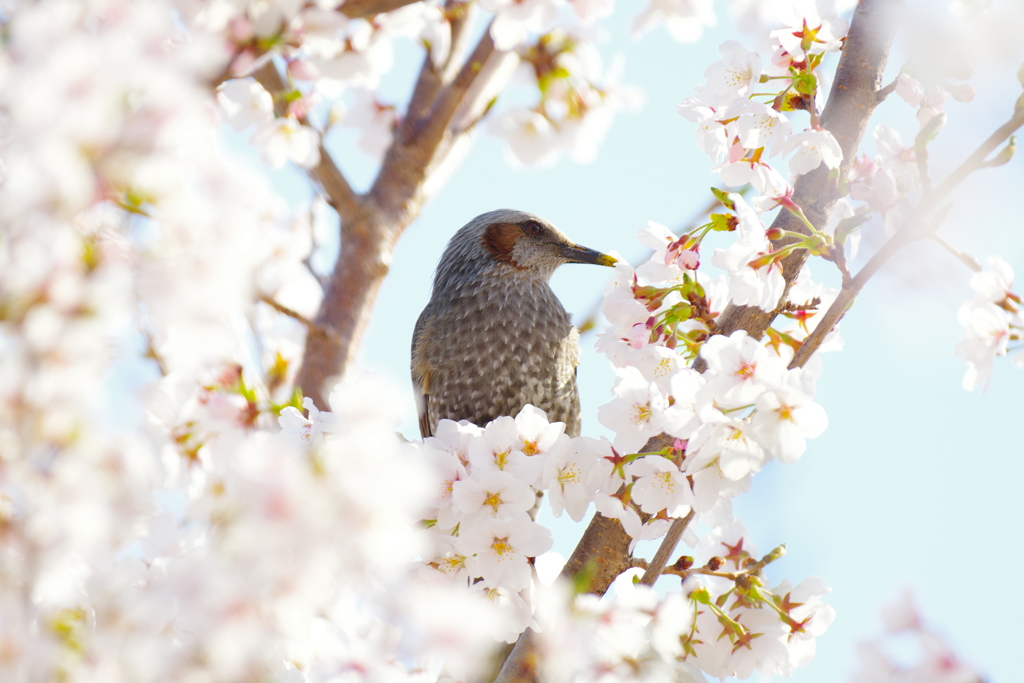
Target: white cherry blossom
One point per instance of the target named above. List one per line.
(810, 149)
(498, 449)
(497, 551)
(684, 20)
(739, 369)
(246, 103)
(567, 478)
(659, 485)
(612, 507)
(515, 20)
(786, 415)
(760, 126)
(638, 412)
(736, 75)
(531, 138)
(995, 282)
(986, 335)
(712, 136)
(284, 140)
(493, 495)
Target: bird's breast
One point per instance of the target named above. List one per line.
(498, 346)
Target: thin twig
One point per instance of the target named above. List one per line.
(152, 353)
(886, 91)
(290, 312)
(967, 259)
(665, 550)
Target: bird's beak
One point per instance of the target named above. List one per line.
(574, 253)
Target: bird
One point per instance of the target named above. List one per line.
(494, 337)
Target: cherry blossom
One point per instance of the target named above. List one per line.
(285, 139)
(567, 476)
(530, 136)
(736, 75)
(740, 369)
(375, 121)
(809, 33)
(515, 20)
(497, 551)
(659, 485)
(810, 149)
(711, 135)
(786, 416)
(497, 449)
(613, 507)
(638, 412)
(995, 282)
(683, 19)
(759, 125)
(682, 418)
(986, 335)
(494, 495)
(246, 103)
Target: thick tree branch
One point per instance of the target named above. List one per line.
(915, 227)
(373, 223)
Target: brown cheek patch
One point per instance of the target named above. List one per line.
(500, 239)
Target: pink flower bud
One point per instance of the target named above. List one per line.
(639, 336)
(302, 70)
(242, 63)
(240, 30)
(689, 259)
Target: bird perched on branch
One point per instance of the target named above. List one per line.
(494, 337)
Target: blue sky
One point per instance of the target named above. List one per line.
(916, 482)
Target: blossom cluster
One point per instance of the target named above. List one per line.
(723, 622)
(577, 100)
(991, 321)
(740, 127)
(339, 62)
(937, 661)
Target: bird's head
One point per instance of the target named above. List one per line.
(520, 242)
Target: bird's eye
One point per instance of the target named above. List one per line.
(533, 227)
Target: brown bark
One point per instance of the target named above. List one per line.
(854, 95)
(364, 9)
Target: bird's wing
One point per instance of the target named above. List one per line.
(421, 373)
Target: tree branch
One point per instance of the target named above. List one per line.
(373, 223)
(668, 546)
(363, 9)
(284, 310)
(434, 77)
